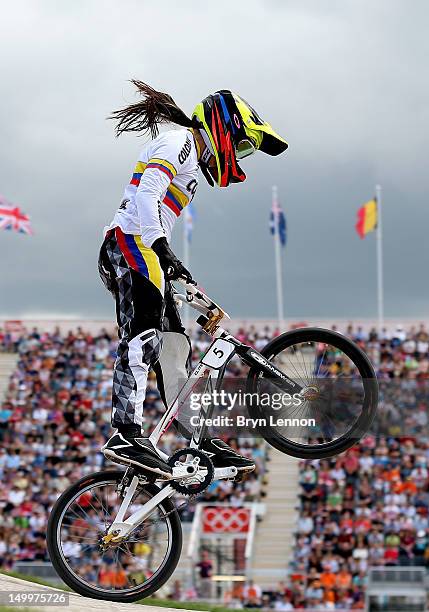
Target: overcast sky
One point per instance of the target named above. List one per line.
(344, 81)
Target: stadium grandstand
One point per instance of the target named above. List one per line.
(346, 533)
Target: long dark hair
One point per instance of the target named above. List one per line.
(144, 116)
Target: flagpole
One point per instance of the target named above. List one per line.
(380, 288)
(186, 259)
(278, 260)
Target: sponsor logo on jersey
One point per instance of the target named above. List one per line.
(186, 150)
(192, 187)
(160, 216)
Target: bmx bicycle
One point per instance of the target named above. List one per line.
(116, 535)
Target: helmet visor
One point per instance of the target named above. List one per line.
(244, 148)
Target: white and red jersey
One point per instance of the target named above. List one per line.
(164, 181)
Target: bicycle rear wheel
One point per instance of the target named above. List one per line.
(125, 572)
(336, 406)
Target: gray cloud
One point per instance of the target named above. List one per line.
(345, 82)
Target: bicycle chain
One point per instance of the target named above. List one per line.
(189, 499)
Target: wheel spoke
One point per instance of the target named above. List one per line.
(119, 567)
(330, 370)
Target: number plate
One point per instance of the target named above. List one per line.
(218, 354)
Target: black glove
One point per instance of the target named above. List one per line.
(171, 266)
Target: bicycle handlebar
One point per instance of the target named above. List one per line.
(188, 286)
(197, 299)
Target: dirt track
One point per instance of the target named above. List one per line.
(77, 603)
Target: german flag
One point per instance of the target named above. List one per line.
(366, 218)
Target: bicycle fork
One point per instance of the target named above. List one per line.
(121, 528)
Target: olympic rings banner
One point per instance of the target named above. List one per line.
(225, 519)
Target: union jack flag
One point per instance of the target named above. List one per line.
(12, 218)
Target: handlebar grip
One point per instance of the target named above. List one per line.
(186, 283)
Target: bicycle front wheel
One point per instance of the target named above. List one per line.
(338, 398)
(125, 572)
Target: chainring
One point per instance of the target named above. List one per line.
(192, 488)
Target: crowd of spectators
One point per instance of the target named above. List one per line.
(53, 421)
(369, 506)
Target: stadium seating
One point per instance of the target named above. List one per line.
(368, 507)
(53, 421)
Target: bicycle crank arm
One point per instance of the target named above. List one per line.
(227, 472)
(279, 378)
(185, 471)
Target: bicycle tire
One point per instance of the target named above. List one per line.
(364, 421)
(78, 585)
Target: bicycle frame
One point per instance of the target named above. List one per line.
(210, 366)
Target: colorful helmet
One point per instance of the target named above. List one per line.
(232, 130)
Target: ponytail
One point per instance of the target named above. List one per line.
(144, 116)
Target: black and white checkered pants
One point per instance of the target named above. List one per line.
(150, 332)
